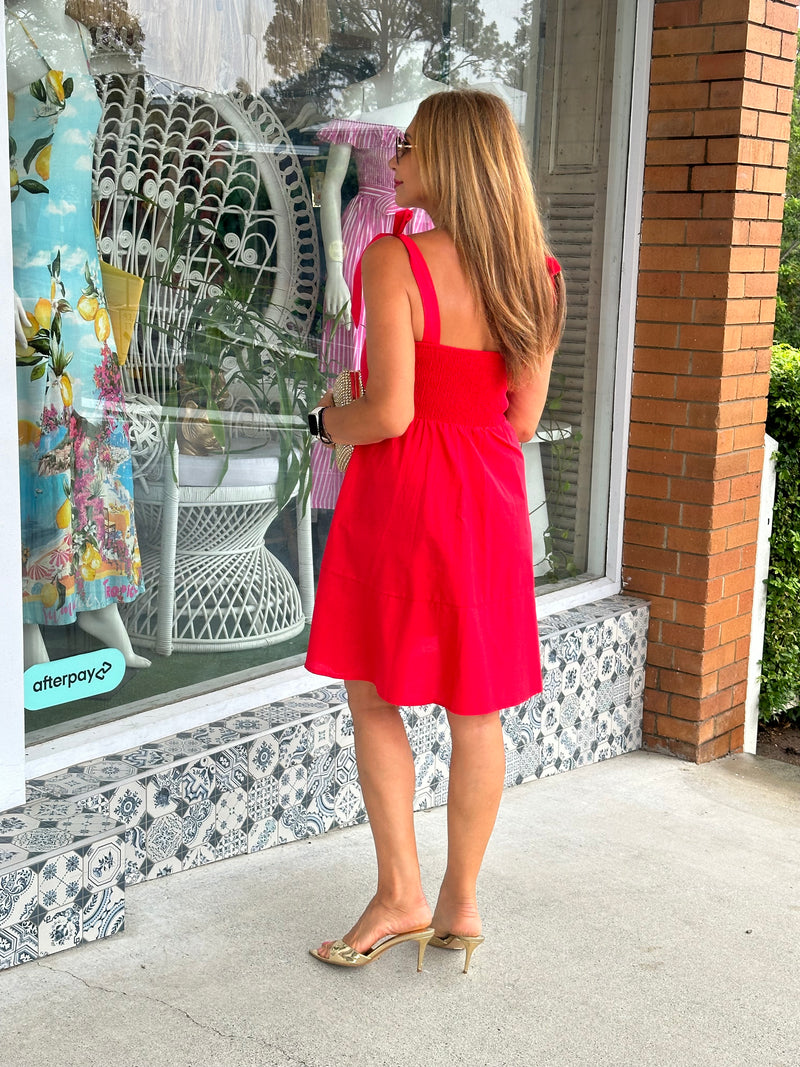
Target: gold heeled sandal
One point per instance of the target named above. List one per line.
(342, 955)
(458, 941)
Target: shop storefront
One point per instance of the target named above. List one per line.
(228, 163)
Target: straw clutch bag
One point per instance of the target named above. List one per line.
(347, 387)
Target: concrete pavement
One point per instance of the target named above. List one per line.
(642, 912)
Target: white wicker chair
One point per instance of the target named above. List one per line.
(211, 584)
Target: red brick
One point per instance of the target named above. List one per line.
(657, 462)
(640, 557)
(665, 360)
(647, 436)
(664, 232)
(663, 512)
(709, 232)
(642, 581)
(674, 151)
(661, 179)
(652, 334)
(661, 283)
(670, 124)
(782, 16)
(759, 96)
(743, 533)
(670, 69)
(647, 485)
(762, 39)
(682, 96)
(676, 13)
(680, 729)
(704, 542)
(645, 533)
(726, 93)
(720, 65)
(727, 10)
(769, 180)
(672, 205)
(730, 38)
(784, 102)
(734, 628)
(777, 71)
(762, 284)
(774, 127)
(667, 412)
(715, 749)
(703, 442)
(694, 491)
(693, 39)
(655, 257)
(718, 122)
(693, 590)
(659, 309)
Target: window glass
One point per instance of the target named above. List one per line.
(193, 184)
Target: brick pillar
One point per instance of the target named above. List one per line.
(720, 102)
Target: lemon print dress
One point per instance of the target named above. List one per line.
(79, 547)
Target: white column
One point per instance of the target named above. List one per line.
(12, 715)
(759, 615)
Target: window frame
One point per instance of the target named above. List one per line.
(633, 37)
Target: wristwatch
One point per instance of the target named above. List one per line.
(316, 425)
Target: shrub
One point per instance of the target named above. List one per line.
(780, 667)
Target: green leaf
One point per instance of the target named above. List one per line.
(38, 371)
(38, 90)
(69, 87)
(30, 185)
(34, 150)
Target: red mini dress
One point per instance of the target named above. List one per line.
(426, 583)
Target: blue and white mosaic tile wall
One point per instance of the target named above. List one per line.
(282, 773)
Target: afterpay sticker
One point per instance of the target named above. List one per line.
(87, 675)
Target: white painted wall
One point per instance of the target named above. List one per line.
(12, 719)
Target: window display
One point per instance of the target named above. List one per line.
(193, 184)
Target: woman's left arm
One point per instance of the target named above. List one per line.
(387, 408)
(526, 404)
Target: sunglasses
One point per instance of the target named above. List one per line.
(401, 146)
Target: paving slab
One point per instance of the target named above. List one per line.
(642, 911)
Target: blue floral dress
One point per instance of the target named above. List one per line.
(79, 545)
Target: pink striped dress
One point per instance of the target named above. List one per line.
(369, 214)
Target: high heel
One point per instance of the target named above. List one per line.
(457, 941)
(342, 955)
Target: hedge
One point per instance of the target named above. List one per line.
(780, 667)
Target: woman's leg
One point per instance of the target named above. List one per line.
(477, 774)
(386, 773)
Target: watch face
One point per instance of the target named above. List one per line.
(313, 424)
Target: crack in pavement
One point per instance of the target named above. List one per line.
(289, 1060)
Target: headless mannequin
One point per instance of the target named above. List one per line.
(390, 98)
(62, 40)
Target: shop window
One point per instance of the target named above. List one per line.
(228, 163)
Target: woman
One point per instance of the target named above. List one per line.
(426, 588)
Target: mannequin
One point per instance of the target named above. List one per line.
(390, 98)
(80, 553)
(370, 116)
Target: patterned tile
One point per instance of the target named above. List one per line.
(19, 896)
(104, 913)
(18, 944)
(60, 880)
(60, 930)
(104, 864)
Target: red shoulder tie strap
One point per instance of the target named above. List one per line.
(432, 328)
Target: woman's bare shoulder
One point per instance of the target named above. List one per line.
(386, 254)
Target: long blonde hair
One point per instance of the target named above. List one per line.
(473, 170)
